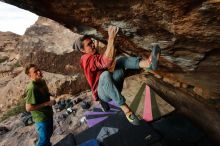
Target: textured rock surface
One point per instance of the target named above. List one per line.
(8, 51)
(8, 41)
(190, 28)
(49, 45)
(199, 112)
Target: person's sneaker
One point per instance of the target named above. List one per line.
(104, 105)
(133, 119)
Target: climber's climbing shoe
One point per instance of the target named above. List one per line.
(132, 118)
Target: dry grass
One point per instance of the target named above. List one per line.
(19, 108)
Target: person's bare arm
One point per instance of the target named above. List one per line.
(110, 51)
(31, 107)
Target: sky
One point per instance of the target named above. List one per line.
(15, 19)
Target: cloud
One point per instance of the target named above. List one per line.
(15, 19)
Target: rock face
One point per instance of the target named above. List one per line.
(8, 53)
(189, 30)
(8, 41)
(191, 27)
(9, 66)
(49, 45)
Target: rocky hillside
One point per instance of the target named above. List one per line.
(42, 44)
(9, 66)
(8, 53)
(188, 30)
(49, 45)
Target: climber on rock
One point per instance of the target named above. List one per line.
(105, 73)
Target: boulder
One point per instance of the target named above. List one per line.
(49, 45)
